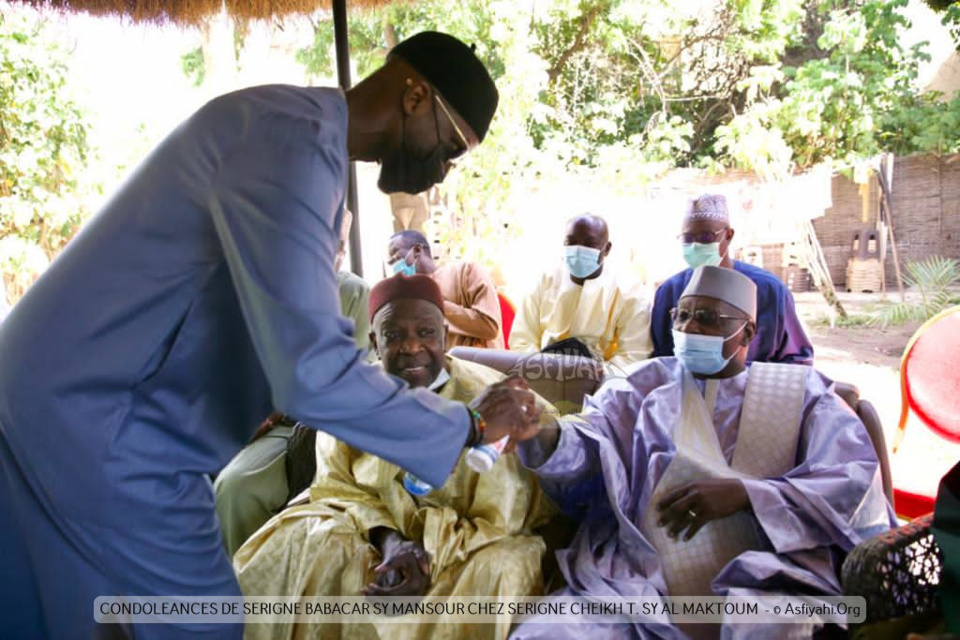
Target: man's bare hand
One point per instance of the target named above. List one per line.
(697, 503)
(405, 570)
(510, 409)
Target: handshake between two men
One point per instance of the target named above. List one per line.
(505, 409)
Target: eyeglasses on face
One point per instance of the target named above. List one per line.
(704, 237)
(463, 139)
(704, 317)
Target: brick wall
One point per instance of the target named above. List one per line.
(926, 214)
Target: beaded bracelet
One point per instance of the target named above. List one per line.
(479, 425)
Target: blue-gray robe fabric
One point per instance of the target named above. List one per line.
(200, 298)
(808, 519)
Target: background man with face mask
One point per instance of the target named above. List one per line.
(583, 301)
(471, 306)
(706, 236)
(718, 478)
(202, 297)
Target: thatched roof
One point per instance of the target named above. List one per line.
(192, 12)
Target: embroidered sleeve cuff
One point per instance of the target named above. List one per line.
(568, 456)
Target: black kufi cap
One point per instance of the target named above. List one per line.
(455, 71)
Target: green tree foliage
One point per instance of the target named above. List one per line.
(850, 102)
(651, 75)
(470, 202)
(43, 146)
(193, 66)
(922, 123)
(373, 32)
(949, 11)
(766, 85)
(624, 90)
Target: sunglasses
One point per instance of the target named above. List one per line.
(704, 317)
(705, 237)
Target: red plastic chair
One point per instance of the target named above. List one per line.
(507, 313)
(930, 388)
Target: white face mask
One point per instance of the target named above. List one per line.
(581, 261)
(702, 354)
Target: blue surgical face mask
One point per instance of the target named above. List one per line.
(702, 354)
(702, 255)
(401, 266)
(581, 261)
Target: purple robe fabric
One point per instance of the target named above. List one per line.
(808, 519)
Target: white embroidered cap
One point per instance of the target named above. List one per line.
(708, 207)
(727, 285)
